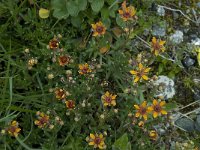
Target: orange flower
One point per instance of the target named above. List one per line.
(157, 46)
(157, 108)
(54, 44)
(42, 121)
(141, 73)
(60, 94)
(13, 129)
(70, 104)
(109, 99)
(153, 135)
(64, 60)
(98, 29)
(142, 110)
(97, 140)
(127, 13)
(84, 69)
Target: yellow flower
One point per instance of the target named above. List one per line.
(13, 129)
(153, 135)
(140, 73)
(127, 13)
(63, 60)
(157, 108)
(142, 110)
(42, 121)
(141, 124)
(157, 46)
(60, 94)
(70, 104)
(54, 44)
(109, 99)
(84, 69)
(97, 140)
(98, 29)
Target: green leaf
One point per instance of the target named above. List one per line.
(170, 106)
(97, 5)
(73, 8)
(76, 21)
(60, 14)
(113, 10)
(120, 22)
(82, 4)
(104, 13)
(60, 9)
(122, 143)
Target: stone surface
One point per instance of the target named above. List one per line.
(188, 62)
(186, 124)
(158, 30)
(196, 41)
(197, 123)
(160, 11)
(165, 87)
(177, 37)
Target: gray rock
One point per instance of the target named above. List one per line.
(198, 119)
(175, 15)
(159, 31)
(160, 11)
(196, 95)
(196, 41)
(197, 123)
(198, 4)
(186, 124)
(177, 37)
(188, 62)
(197, 126)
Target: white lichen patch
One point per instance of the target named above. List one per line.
(164, 87)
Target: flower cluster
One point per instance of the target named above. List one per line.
(156, 108)
(13, 128)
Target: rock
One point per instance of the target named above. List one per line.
(160, 11)
(196, 42)
(186, 124)
(175, 15)
(177, 37)
(197, 123)
(188, 62)
(159, 31)
(164, 87)
(196, 94)
(198, 4)
(198, 119)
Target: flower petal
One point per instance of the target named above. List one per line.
(140, 66)
(144, 104)
(162, 103)
(155, 114)
(113, 102)
(92, 136)
(145, 77)
(91, 143)
(136, 106)
(147, 70)
(155, 102)
(154, 40)
(162, 42)
(136, 79)
(163, 112)
(145, 116)
(137, 114)
(133, 72)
